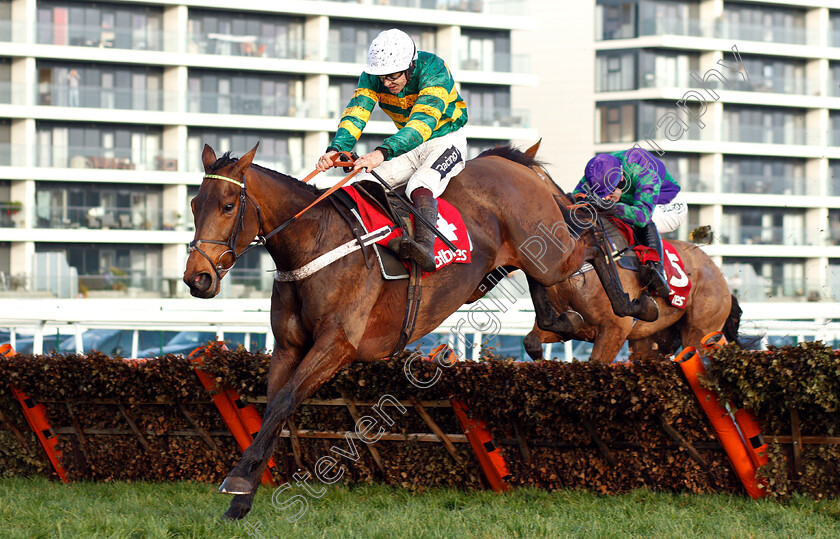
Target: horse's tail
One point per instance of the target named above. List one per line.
(733, 324)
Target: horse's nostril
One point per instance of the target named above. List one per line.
(201, 282)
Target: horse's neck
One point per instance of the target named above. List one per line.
(281, 198)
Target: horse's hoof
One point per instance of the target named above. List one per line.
(236, 485)
(237, 512)
(645, 308)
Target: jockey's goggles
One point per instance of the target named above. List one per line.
(392, 77)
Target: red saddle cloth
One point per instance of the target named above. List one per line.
(449, 224)
(678, 280)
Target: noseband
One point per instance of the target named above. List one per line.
(238, 227)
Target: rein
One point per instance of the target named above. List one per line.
(261, 238)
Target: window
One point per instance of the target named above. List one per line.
(246, 93)
(107, 146)
(763, 23)
(615, 123)
(615, 19)
(282, 152)
(483, 50)
(766, 175)
(685, 168)
(771, 75)
(489, 105)
(239, 34)
(97, 206)
(104, 266)
(763, 279)
(100, 25)
(615, 72)
(100, 86)
(349, 40)
(763, 226)
(763, 125)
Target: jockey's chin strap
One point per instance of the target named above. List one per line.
(343, 159)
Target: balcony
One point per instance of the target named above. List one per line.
(496, 7)
(106, 98)
(89, 157)
(766, 33)
(761, 235)
(768, 185)
(659, 26)
(253, 104)
(770, 135)
(105, 218)
(695, 183)
(497, 62)
(253, 46)
(77, 35)
(498, 117)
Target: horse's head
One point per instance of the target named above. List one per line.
(226, 221)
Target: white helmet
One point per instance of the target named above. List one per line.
(391, 51)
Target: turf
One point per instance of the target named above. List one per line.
(35, 508)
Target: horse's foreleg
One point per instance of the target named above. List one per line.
(318, 366)
(548, 319)
(280, 369)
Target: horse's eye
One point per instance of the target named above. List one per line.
(228, 208)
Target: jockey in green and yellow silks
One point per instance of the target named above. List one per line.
(416, 90)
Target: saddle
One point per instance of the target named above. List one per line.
(390, 264)
(630, 256)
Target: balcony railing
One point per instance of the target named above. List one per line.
(498, 7)
(80, 35)
(253, 104)
(771, 135)
(774, 85)
(761, 235)
(499, 62)
(768, 185)
(106, 98)
(670, 26)
(252, 46)
(695, 183)
(765, 32)
(105, 217)
(279, 163)
(99, 158)
(499, 117)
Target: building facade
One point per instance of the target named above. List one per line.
(741, 99)
(105, 107)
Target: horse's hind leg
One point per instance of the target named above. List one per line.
(608, 343)
(328, 354)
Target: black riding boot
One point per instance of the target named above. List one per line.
(652, 274)
(421, 248)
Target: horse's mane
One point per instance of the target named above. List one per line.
(226, 159)
(516, 155)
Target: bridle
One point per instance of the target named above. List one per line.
(238, 228)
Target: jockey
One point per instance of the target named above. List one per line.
(416, 89)
(635, 187)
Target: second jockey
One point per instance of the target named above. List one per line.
(635, 187)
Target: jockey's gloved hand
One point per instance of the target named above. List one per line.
(599, 203)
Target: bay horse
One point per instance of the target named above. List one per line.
(709, 306)
(345, 312)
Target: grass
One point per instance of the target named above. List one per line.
(35, 508)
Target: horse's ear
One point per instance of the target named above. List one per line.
(532, 151)
(208, 157)
(245, 161)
